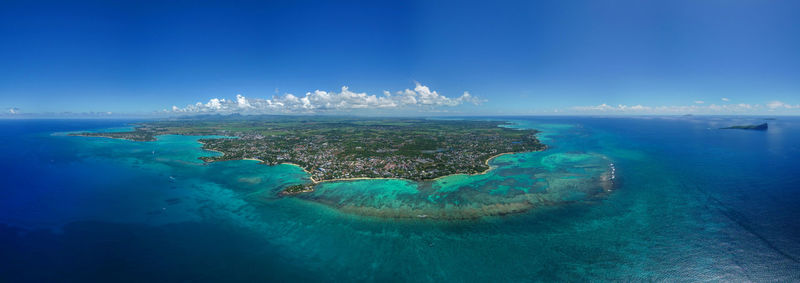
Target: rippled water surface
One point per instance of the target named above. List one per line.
(687, 202)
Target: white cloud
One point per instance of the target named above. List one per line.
(420, 97)
(773, 105)
(13, 110)
(699, 102)
(241, 101)
(215, 103)
(608, 108)
(725, 99)
(601, 107)
(678, 109)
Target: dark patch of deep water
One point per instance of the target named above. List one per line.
(693, 203)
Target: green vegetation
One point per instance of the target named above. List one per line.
(297, 189)
(331, 148)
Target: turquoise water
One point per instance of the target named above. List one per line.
(516, 183)
(688, 203)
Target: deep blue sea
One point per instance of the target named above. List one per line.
(690, 202)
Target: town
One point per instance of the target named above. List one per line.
(348, 148)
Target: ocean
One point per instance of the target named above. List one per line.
(688, 202)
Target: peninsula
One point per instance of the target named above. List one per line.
(340, 148)
(760, 127)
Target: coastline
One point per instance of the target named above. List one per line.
(484, 171)
(315, 182)
(310, 176)
(101, 136)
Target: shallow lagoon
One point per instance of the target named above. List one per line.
(516, 183)
(691, 203)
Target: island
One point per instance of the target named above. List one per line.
(298, 189)
(348, 148)
(760, 127)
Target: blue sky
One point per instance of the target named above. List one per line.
(527, 57)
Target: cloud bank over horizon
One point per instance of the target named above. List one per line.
(418, 101)
(421, 98)
(772, 107)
